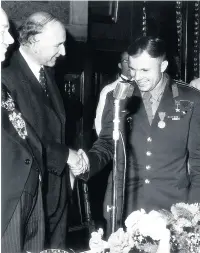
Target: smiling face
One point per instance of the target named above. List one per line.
(5, 37)
(49, 44)
(146, 70)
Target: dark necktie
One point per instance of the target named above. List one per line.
(43, 80)
(126, 80)
(146, 99)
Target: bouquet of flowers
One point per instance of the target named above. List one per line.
(145, 232)
(161, 231)
(184, 224)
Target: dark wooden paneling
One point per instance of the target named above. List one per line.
(115, 36)
(18, 11)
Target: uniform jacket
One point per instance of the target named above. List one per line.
(47, 118)
(157, 174)
(17, 159)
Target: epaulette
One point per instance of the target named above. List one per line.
(180, 82)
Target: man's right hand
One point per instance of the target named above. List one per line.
(78, 165)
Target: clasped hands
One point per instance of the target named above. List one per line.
(78, 162)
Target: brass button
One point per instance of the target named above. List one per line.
(149, 139)
(27, 161)
(148, 167)
(148, 153)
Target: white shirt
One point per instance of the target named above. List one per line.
(195, 83)
(102, 101)
(35, 67)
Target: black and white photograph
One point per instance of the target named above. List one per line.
(100, 126)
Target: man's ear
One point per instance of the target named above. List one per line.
(164, 65)
(33, 41)
(120, 65)
(35, 38)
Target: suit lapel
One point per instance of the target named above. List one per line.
(58, 106)
(29, 77)
(55, 96)
(35, 148)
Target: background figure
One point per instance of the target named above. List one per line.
(124, 75)
(195, 83)
(31, 82)
(160, 124)
(22, 214)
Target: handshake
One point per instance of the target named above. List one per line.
(78, 162)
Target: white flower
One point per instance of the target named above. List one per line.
(182, 222)
(133, 219)
(180, 208)
(97, 245)
(120, 242)
(152, 225)
(164, 244)
(196, 219)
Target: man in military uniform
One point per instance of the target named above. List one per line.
(161, 125)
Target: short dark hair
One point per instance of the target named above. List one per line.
(154, 46)
(33, 26)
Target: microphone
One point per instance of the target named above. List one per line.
(123, 90)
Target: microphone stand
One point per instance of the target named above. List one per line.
(116, 121)
(122, 90)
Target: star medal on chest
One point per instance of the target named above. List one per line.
(177, 103)
(161, 123)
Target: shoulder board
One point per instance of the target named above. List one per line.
(179, 82)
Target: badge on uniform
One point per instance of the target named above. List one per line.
(183, 106)
(161, 123)
(176, 118)
(177, 103)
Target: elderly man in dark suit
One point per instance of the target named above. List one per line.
(160, 123)
(30, 79)
(22, 214)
